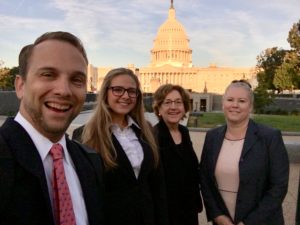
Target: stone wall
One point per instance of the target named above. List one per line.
(217, 103)
(9, 103)
(284, 104)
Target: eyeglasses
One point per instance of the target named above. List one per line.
(119, 91)
(243, 82)
(169, 103)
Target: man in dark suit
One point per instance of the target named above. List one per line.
(51, 87)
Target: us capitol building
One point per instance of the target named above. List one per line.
(171, 62)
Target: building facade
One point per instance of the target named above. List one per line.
(171, 62)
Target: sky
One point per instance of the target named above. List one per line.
(116, 33)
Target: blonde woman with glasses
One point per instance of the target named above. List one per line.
(244, 166)
(134, 185)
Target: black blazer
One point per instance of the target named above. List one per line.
(29, 201)
(263, 171)
(129, 200)
(181, 174)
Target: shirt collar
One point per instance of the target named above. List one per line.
(130, 122)
(42, 143)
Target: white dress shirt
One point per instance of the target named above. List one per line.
(130, 144)
(43, 146)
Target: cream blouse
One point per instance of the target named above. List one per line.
(227, 172)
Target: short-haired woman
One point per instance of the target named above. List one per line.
(180, 163)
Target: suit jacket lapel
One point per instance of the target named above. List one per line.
(122, 158)
(87, 178)
(147, 162)
(217, 144)
(165, 138)
(250, 138)
(124, 161)
(26, 154)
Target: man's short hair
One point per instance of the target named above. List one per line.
(26, 51)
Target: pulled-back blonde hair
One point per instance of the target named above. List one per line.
(241, 84)
(97, 133)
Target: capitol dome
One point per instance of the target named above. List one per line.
(171, 45)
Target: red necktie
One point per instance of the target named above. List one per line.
(63, 208)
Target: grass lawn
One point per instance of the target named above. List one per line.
(282, 122)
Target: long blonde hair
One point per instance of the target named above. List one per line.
(97, 133)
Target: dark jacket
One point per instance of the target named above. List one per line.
(28, 201)
(263, 172)
(180, 165)
(132, 201)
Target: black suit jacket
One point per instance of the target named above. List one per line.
(181, 174)
(28, 200)
(263, 171)
(130, 200)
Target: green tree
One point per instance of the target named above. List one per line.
(7, 77)
(294, 37)
(267, 63)
(284, 75)
(294, 55)
(279, 69)
(4, 78)
(13, 72)
(262, 98)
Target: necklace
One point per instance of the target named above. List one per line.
(233, 142)
(234, 139)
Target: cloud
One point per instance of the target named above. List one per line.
(236, 32)
(231, 33)
(17, 32)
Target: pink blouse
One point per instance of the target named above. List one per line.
(227, 172)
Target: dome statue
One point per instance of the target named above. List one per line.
(171, 45)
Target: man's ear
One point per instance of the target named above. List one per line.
(19, 86)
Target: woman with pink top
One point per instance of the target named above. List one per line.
(244, 166)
